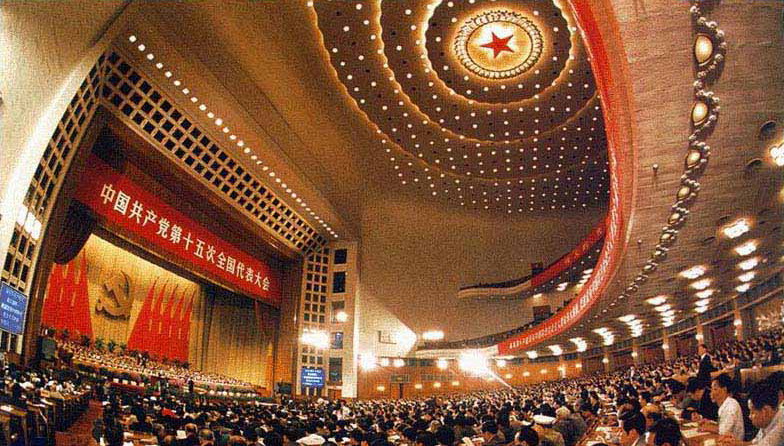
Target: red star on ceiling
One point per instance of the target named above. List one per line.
(499, 44)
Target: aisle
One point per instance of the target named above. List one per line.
(80, 433)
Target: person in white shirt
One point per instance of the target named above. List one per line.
(766, 414)
(730, 414)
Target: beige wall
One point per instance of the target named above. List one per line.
(415, 255)
(45, 54)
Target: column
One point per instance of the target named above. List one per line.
(669, 349)
(636, 356)
(606, 360)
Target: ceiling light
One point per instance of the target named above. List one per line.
(743, 288)
(746, 277)
(473, 362)
(442, 364)
(556, 349)
(702, 303)
(367, 361)
(736, 228)
(777, 153)
(532, 354)
(705, 293)
(501, 363)
(749, 263)
(667, 323)
(668, 313)
(701, 284)
(341, 316)
(658, 300)
(693, 272)
(746, 248)
(627, 318)
(384, 362)
(662, 308)
(701, 309)
(433, 335)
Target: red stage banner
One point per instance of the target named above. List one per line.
(127, 205)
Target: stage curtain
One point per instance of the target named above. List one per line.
(234, 342)
(76, 229)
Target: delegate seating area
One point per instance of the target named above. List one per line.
(566, 412)
(135, 371)
(37, 403)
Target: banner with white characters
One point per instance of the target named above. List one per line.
(130, 207)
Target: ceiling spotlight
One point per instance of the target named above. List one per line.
(662, 308)
(747, 277)
(746, 248)
(736, 228)
(705, 293)
(749, 263)
(442, 364)
(668, 313)
(742, 288)
(701, 309)
(701, 284)
(433, 335)
(702, 303)
(777, 153)
(627, 318)
(658, 300)
(693, 272)
(367, 361)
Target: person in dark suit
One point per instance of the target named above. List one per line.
(701, 402)
(706, 365)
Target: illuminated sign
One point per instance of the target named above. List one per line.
(13, 309)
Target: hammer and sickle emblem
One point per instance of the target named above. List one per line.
(115, 298)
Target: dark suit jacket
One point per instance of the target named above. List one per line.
(706, 367)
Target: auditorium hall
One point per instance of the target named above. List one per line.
(392, 223)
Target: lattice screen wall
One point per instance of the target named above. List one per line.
(313, 306)
(20, 260)
(128, 93)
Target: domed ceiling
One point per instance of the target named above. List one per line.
(489, 105)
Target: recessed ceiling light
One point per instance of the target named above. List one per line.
(658, 300)
(746, 248)
(661, 308)
(702, 303)
(705, 293)
(777, 153)
(701, 309)
(737, 228)
(747, 277)
(669, 313)
(627, 318)
(742, 288)
(693, 272)
(701, 284)
(749, 264)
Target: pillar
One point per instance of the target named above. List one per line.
(606, 360)
(743, 322)
(636, 355)
(669, 349)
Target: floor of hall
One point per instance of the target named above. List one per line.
(80, 433)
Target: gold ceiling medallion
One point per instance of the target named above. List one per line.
(498, 44)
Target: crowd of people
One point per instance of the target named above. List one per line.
(649, 403)
(139, 364)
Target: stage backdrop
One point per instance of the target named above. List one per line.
(110, 294)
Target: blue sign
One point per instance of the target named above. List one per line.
(13, 309)
(312, 377)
